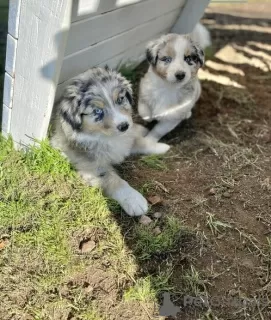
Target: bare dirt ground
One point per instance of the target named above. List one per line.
(218, 181)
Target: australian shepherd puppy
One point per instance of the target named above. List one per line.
(95, 130)
(170, 88)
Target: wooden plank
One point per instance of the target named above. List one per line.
(132, 56)
(87, 32)
(190, 16)
(42, 38)
(84, 9)
(101, 52)
(11, 55)
(8, 90)
(6, 117)
(13, 18)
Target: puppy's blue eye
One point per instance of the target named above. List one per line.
(166, 59)
(99, 114)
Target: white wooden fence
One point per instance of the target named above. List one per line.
(51, 41)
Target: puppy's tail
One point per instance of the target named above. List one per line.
(202, 36)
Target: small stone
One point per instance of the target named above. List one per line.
(233, 292)
(89, 289)
(145, 220)
(212, 191)
(157, 231)
(154, 200)
(259, 274)
(87, 246)
(157, 215)
(226, 195)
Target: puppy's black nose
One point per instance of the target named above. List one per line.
(123, 126)
(180, 75)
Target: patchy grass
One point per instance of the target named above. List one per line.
(46, 212)
(154, 162)
(215, 225)
(149, 244)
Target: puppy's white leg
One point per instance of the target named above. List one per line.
(144, 111)
(133, 203)
(162, 128)
(145, 145)
(140, 130)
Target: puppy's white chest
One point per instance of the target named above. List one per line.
(113, 149)
(166, 101)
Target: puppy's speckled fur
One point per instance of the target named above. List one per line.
(94, 129)
(170, 88)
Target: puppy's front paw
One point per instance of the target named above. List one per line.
(133, 203)
(161, 148)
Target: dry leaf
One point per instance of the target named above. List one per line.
(3, 244)
(158, 215)
(87, 246)
(154, 200)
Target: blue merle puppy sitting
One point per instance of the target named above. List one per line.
(94, 129)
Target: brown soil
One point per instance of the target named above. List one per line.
(220, 164)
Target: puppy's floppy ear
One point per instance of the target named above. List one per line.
(153, 48)
(129, 95)
(70, 105)
(199, 54)
(125, 84)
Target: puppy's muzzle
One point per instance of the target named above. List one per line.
(122, 127)
(180, 76)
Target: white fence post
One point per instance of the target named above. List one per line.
(190, 16)
(43, 28)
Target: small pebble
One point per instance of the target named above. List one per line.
(212, 191)
(89, 289)
(157, 231)
(145, 220)
(226, 195)
(157, 215)
(233, 292)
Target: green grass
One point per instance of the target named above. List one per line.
(154, 162)
(146, 289)
(46, 210)
(148, 243)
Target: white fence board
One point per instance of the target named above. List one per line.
(133, 56)
(83, 9)
(6, 117)
(14, 17)
(8, 90)
(81, 61)
(11, 55)
(87, 32)
(190, 16)
(40, 50)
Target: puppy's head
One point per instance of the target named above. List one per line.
(175, 58)
(99, 102)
